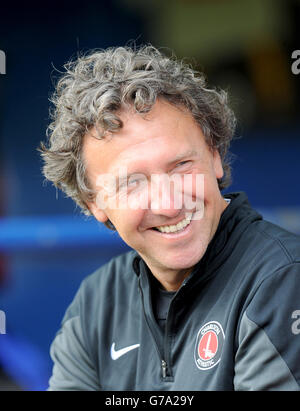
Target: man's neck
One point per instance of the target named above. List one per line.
(171, 280)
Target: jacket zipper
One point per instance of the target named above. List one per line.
(160, 350)
(163, 368)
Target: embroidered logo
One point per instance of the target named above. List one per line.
(115, 354)
(209, 344)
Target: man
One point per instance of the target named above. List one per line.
(208, 299)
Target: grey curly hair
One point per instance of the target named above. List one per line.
(97, 85)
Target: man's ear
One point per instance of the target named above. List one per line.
(217, 163)
(97, 212)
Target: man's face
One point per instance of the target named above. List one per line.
(165, 142)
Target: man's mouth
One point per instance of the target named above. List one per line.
(177, 227)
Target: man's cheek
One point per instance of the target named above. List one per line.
(194, 194)
(138, 200)
(128, 222)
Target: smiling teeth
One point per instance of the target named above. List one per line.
(176, 227)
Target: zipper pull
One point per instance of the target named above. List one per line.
(164, 368)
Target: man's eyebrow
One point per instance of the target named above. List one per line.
(177, 158)
(182, 156)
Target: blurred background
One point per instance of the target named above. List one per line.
(46, 246)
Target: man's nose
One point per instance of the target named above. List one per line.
(164, 200)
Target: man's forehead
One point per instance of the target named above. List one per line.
(167, 138)
(161, 110)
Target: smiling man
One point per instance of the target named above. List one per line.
(149, 145)
(140, 142)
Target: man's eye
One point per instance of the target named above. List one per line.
(132, 183)
(182, 163)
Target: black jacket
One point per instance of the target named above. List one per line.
(234, 324)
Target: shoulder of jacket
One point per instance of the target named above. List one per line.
(270, 255)
(108, 279)
(118, 269)
(279, 244)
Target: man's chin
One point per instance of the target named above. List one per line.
(181, 263)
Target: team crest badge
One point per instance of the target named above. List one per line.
(209, 345)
